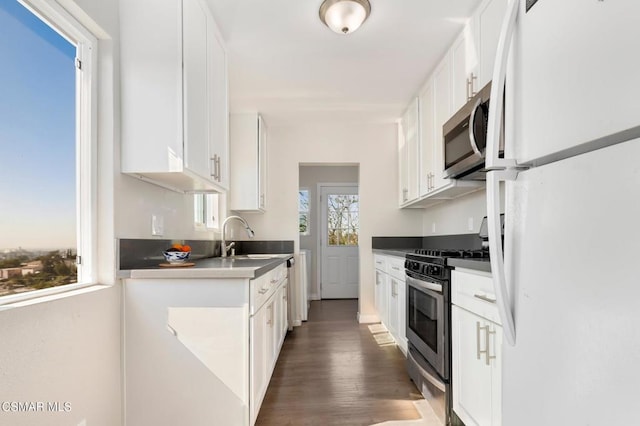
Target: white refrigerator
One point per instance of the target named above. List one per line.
(569, 285)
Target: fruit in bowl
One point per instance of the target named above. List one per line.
(178, 253)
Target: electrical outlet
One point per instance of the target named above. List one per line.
(157, 225)
(470, 224)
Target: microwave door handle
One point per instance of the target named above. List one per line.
(472, 135)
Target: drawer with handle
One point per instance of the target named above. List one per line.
(473, 291)
(395, 267)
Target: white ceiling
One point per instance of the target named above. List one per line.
(285, 64)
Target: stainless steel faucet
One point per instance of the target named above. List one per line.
(223, 243)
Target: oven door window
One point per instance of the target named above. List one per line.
(423, 317)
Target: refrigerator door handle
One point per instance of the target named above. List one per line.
(495, 250)
(496, 106)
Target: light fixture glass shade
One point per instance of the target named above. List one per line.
(344, 16)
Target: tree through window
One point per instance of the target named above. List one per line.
(342, 220)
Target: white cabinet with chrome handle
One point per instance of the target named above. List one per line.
(476, 349)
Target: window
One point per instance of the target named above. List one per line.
(304, 213)
(47, 154)
(342, 220)
(206, 208)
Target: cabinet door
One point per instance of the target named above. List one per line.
(402, 315)
(442, 108)
(262, 164)
(488, 22)
(408, 151)
(476, 376)
(459, 74)
(248, 158)
(381, 296)
(258, 327)
(219, 107)
(427, 135)
(195, 88)
(392, 322)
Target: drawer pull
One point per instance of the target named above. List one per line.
(485, 298)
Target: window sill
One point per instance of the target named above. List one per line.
(48, 295)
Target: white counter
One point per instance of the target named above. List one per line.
(215, 267)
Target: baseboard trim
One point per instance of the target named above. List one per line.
(367, 319)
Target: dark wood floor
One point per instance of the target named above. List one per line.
(332, 371)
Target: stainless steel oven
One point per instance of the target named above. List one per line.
(427, 326)
(465, 139)
(428, 330)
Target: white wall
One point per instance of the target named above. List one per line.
(374, 148)
(67, 349)
(310, 177)
(460, 216)
(64, 350)
(453, 216)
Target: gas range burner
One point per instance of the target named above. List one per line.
(465, 254)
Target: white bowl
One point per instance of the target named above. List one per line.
(176, 256)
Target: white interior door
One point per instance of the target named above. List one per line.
(339, 206)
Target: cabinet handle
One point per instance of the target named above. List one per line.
(485, 298)
(479, 352)
(263, 290)
(218, 169)
(395, 268)
(470, 92)
(215, 166)
(487, 338)
(270, 319)
(261, 200)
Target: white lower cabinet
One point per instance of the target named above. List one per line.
(201, 351)
(391, 297)
(381, 292)
(477, 349)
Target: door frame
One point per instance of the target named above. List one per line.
(319, 227)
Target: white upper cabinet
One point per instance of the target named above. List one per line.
(463, 71)
(442, 112)
(464, 68)
(408, 153)
(194, 74)
(174, 95)
(427, 136)
(487, 22)
(473, 52)
(219, 107)
(248, 134)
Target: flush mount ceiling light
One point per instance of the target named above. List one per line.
(344, 16)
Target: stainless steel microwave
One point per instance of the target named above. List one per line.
(465, 139)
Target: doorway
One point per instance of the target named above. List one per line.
(339, 229)
(314, 177)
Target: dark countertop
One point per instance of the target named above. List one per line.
(393, 252)
(475, 264)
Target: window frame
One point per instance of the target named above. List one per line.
(68, 27)
(206, 211)
(307, 212)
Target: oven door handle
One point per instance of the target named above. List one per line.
(425, 285)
